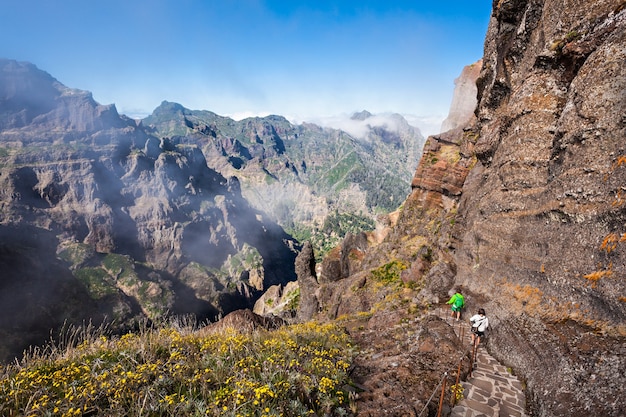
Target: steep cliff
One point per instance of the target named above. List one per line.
(542, 219)
(539, 234)
(523, 209)
(136, 226)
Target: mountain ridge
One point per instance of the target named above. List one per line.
(142, 226)
(144, 223)
(302, 174)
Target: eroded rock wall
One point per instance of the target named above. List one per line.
(542, 218)
(524, 208)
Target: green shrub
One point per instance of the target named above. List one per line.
(96, 281)
(390, 272)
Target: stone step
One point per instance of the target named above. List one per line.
(492, 391)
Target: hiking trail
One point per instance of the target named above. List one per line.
(491, 391)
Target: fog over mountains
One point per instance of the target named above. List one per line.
(178, 213)
(300, 174)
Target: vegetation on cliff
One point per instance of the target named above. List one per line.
(335, 227)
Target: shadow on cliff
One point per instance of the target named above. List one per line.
(37, 290)
(39, 295)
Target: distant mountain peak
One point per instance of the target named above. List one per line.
(169, 107)
(32, 98)
(362, 115)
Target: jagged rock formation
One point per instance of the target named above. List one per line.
(464, 98)
(318, 183)
(523, 208)
(307, 282)
(279, 300)
(140, 226)
(541, 215)
(145, 228)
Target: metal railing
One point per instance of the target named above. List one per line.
(442, 381)
(444, 378)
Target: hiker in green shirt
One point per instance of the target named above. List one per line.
(457, 301)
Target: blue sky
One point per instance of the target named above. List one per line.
(305, 60)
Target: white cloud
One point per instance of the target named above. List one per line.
(246, 114)
(357, 128)
(428, 125)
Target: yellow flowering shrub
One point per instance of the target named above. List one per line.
(293, 371)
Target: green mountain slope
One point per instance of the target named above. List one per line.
(302, 174)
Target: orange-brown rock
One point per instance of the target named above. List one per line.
(442, 169)
(541, 211)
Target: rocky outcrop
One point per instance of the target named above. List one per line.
(242, 320)
(307, 282)
(541, 214)
(345, 259)
(279, 300)
(142, 226)
(464, 98)
(524, 203)
(447, 160)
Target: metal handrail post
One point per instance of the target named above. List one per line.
(443, 391)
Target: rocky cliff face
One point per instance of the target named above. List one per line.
(318, 183)
(541, 219)
(464, 98)
(523, 209)
(138, 226)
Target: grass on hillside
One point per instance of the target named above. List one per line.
(177, 371)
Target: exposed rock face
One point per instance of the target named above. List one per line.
(464, 98)
(243, 321)
(279, 300)
(141, 225)
(524, 209)
(307, 281)
(542, 215)
(345, 259)
(440, 177)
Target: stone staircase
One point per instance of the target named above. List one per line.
(491, 391)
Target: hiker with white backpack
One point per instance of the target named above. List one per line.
(479, 324)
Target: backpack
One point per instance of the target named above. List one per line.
(459, 301)
(481, 322)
